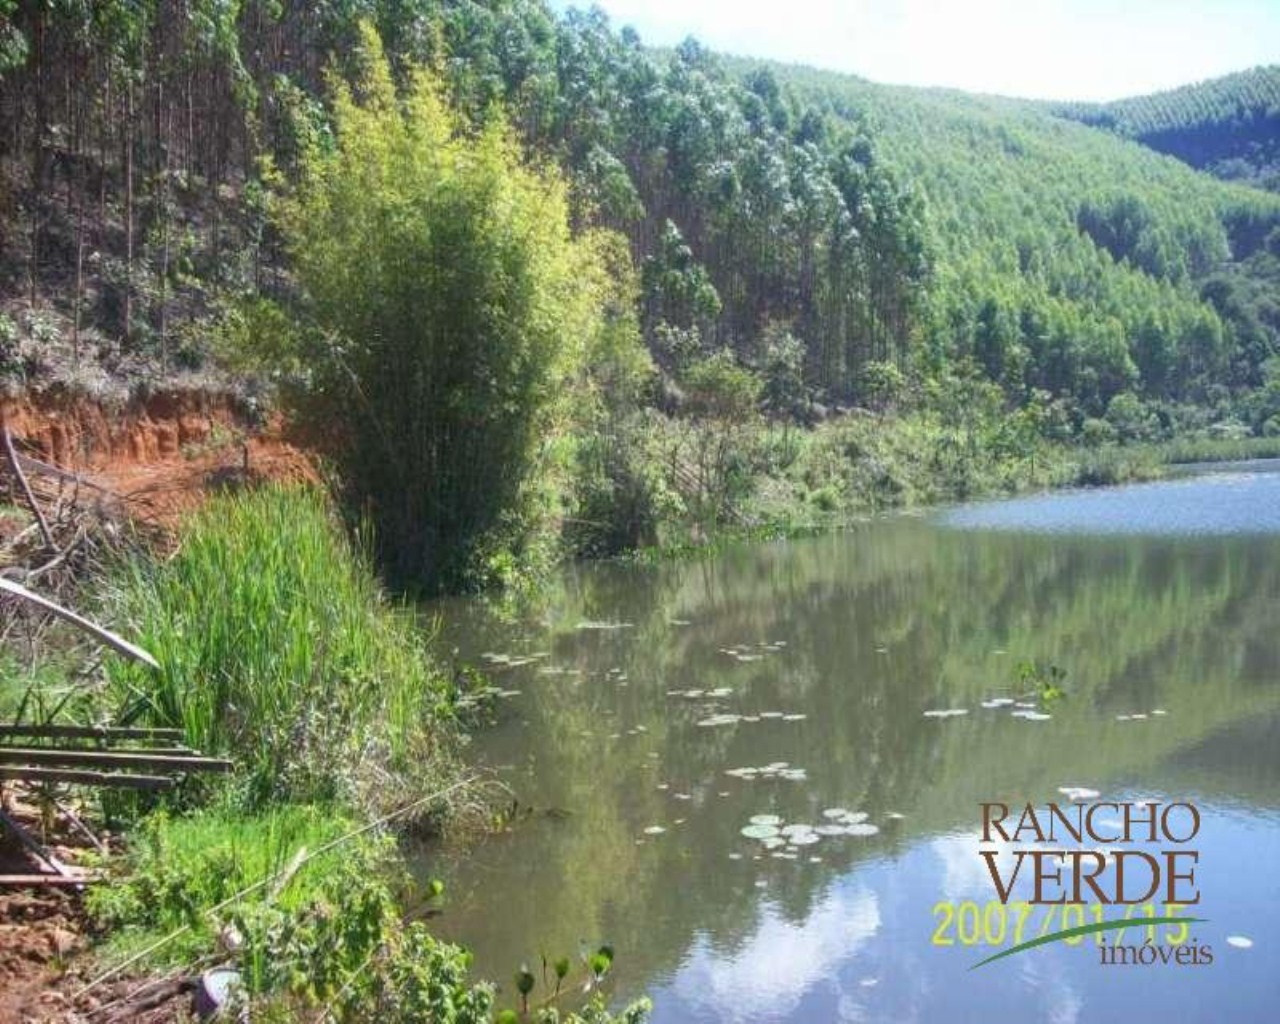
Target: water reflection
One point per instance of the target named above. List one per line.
(1237, 498)
(825, 655)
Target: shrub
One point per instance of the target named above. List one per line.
(1095, 432)
(455, 307)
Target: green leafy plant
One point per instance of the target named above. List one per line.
(595, 968)
(1042, 681)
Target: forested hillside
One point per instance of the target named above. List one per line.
(792, 243)
(859, 220)
(134, 135)
(1067, 259)
(1228, 126)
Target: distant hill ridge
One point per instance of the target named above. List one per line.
(1228, 126)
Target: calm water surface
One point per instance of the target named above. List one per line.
(642, 689)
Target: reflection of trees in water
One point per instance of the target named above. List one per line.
(1137, 623)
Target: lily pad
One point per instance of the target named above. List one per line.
(760, 831)
(765, 819)
(654, 830)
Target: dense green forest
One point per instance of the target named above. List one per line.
(1068, 260)
(982, 275)
(1228, 126)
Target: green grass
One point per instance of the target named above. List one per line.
(1110, 464)
(42, 690)
(1116, 464)
(278, 647)
(178, 868)
(325, 935)
(1198, 449)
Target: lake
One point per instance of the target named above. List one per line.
(653, 712)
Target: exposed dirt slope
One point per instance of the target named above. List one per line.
(158, 457)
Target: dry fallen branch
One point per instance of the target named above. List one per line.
(116, 643)
(21, 477)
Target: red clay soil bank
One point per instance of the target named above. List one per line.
(160, 456)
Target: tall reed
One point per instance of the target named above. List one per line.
(277, 646)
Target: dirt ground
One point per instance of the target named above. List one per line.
(40, 929)
(157, 459)
(44, 929)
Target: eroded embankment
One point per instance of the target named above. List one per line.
(158, 455)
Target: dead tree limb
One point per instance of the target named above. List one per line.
(21, 477)
(116, 643)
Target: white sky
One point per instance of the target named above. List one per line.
(1052, 49)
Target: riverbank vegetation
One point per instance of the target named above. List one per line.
(278, 648)
(532, 291)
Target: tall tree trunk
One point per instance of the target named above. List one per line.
(163, 193)
(75, 328)
(38, 155)
(128, 209)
